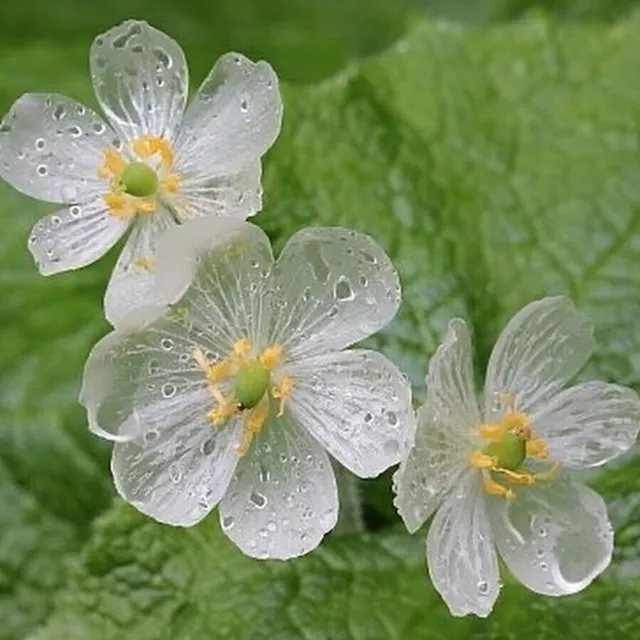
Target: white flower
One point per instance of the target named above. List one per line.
(153, 165)
(499, 476)
(232, 393)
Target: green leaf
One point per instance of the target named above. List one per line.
(143, 581)
(495, 166)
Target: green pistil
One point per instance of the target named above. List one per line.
(251, 383)
(139, 180)
(510, 451)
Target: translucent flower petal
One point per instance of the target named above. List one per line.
(51, 148)
(335, 287)
(554, 537)
(132, 283)
(283, 497)
(542, 347)
(445, 436)
(141, 79)
(181, 473)
(589, 424)
(238, 195)
(142, 379)
(357, 404)
(218, 270)
(74, 237)
(462, 561)
(234, 118)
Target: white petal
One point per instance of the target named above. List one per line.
(589, 424)
(74, 237)
(51, 148)
(357, 404)
(445, 435)
(335, 287)
(141, 79)
(219, 270)
(462, 561)
(283, 497)
(234, 118)
(132, 283)
(542, 347)
(554, 537)
(238, 195)
(143, 379)
(182, 473)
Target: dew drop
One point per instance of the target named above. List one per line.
(368, 417)
(343, 290)
(59, 112)
(168, 390)
(483, 587)
(98, 128)
(392, 418)
(167, 344)
(271, 526)
(151, 435)
(264, 473)
(208, 446)
(227, 522)
(244, 105)
(162, 57)
(175, 474)
(42, 170)
(39, 144)
(258, 500)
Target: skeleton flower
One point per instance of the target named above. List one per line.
(231, 392)
(497, 476)
(153, 166)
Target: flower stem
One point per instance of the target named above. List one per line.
(350, 518)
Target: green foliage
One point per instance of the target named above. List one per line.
(495, 165)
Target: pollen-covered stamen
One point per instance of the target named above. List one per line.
(509, 442)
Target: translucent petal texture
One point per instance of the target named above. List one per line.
(74, 237)
(542, 347)
(220, 271)
(51, 148)
(181, 472)
(132, 283)
(357, 404)
(283, 497)
(334, 287)
(136, 380)
(234, 118)
(141, 79)
(446, 430)
(589, 424)
(462, 560)
(239, 195)
(554, 537)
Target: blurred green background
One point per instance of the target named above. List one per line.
(492, 148)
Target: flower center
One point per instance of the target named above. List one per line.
(139, 180)
(509, 442)
(251, 383)
(252, 389)
(134, 187)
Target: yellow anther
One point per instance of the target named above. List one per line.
(491, 432)
(112, 164)
(146, 264)
(281, 392)
(145, 205)
(494, 488)
(537, 448)
(241, 348)
(227, 408)
(479, 460)
(214, 373)
(271, 356)
(146, 146)
(171, 183)
(516, 477)
(253, 425)
(550, 473)
(119, 205)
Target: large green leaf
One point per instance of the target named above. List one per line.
(495, 166)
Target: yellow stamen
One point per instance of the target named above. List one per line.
(214, 373)
(516, 477)
(494, 488)
(550, 474)
(281, 392)
(253, 425)
(147, 205)
(146, 146)
(537, 448)
(119, 206)
(227, 408)
(241, 348)
(491, 432)
(112, 164)
(146, 264)
(171, 183)
(479, 460)
(271, 356)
